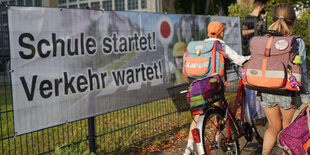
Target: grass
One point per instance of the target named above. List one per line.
(74, 149)
(120, 130)
(114, 130)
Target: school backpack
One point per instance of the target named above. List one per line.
(270, 68)
(295, 139)
(205, 91)
(203, 58)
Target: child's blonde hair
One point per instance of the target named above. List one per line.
(283, 18)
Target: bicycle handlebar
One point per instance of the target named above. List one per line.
(236, 68)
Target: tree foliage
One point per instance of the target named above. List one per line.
(301, 29)
(301, 26)
(203, 7)
(239, 11)
(298, 4)
(231, 8)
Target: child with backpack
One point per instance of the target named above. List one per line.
(281, 106)
(215, 33)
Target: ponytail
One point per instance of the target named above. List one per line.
(281, 26)
(284, 18)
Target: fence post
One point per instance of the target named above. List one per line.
(91, 134)
(308, 25)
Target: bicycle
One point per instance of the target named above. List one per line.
(218, 129)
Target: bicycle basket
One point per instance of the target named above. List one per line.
(178, 96)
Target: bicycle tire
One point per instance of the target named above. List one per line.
(219, 146)
(258, 128)
(259, 131)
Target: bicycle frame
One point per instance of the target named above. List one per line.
(229, 113)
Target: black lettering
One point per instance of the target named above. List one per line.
(107, 47)
(69, 46)
(130, 76)
(68, 84)
(149, 41)
(40, 52)
(130, 39)
(25, 45)
(91, 46)
(137, 74)
(149, 73)
(154, 41)
(91, 77)
(30, 93)
(118, 77)
(103, 76)
(57, 82)
(143, 43)
(82, 43)
(123, 44)
(114, 42)
(55, 42)
(142, 70)
(159, 66)
(46, 85)
(81, 81)
(136, 41)
(156, 72)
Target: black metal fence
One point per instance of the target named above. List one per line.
(102, 134)
(111, 132)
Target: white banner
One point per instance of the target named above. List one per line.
(70, 64)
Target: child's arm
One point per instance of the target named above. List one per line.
(234, 56)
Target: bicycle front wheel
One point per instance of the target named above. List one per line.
(215, 134)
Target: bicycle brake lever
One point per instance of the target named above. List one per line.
(237, 72)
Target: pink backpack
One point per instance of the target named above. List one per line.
(295, 139)
(271, 68)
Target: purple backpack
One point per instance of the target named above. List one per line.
(294, 139)
(206, 90)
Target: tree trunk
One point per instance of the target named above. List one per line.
(221, 9)
(207, 7)
(193, 8)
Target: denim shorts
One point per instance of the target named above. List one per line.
(305, 98)
(284, 102)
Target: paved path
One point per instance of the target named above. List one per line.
(252, 148)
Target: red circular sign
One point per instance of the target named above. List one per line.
(165, 29)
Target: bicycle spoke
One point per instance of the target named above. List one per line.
(215, 134)
(218, 129)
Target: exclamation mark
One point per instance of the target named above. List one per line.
(160, 70)
(154, 41)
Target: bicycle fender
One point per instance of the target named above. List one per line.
(199, 126)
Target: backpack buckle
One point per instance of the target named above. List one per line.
(267, 52)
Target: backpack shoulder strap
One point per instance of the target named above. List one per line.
(308, 116)
(218, 47)
(184, 70)
(296, 36)
(268, 47)
(213, 55)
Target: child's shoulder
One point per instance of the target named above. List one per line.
(214, 39)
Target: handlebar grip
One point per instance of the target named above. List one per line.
(240, 73)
